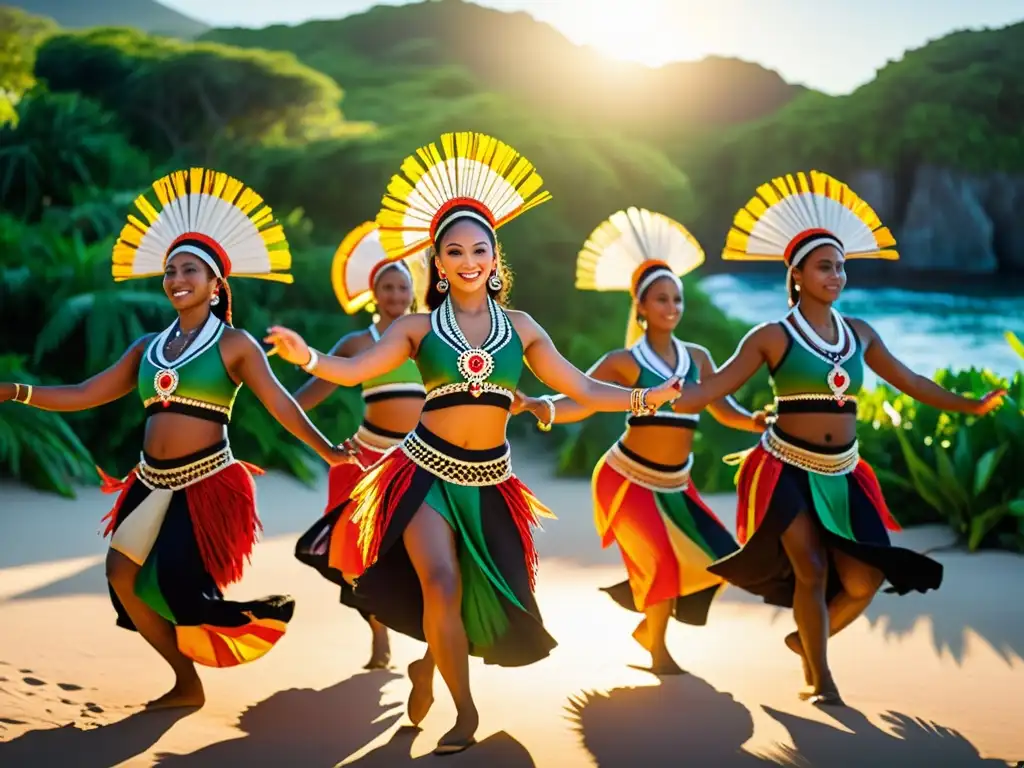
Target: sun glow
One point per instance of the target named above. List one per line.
(646, 33)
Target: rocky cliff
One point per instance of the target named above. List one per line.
(949, 221)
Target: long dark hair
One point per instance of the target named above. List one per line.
(435, 297)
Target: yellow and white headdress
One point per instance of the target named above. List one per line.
(471, 176)
(794, 214)
(360, 261)
(632, 249)
(209, 215)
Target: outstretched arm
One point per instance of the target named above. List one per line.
(924, 390)
(558, 373)
(749, 356)
(250, 366)
(105, 387)
(567, 410)
(396, 345)
(316, 390)
(726, 410)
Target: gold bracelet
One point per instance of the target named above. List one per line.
(551, 415)
(17, 393)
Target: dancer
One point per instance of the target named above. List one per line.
(361, 276)
(445, 526)
(643, 498)
(811, 516)
(185, 521)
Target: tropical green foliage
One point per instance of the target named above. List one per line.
(946, 467)
(186, 99)
(36, 446)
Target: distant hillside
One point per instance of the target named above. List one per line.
(488, 50)
(147, 15)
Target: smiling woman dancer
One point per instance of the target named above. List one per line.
(811, 516)
(643, 498)
(185, 521)
(361, 276)
(445, 526)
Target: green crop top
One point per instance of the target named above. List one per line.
(196, 384)
(404, 381)
(456, 374)
(655, 371)
(814, 376)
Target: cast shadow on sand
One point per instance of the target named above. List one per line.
(685, 720)
(913, 741)
(966, 602)
(99, 747)
(499, 750)
(301, 727)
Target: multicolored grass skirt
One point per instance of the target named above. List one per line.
(492, 514)
(190, 525)
(784, 476)
(666, 533)
(331, 544)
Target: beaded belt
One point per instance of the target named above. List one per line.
(370, 440)
(457, 471)
(190, 402)
(463, 386)
(646, 476)
(181, 477)
(812, 461)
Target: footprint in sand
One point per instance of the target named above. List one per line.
(93, 707)
(69, 687)
(33, 680)
(11, 721)
(25, 671)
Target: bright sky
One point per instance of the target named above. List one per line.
(830, 45)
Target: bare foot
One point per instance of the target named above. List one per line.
(663, 664)
(462, 736)
(794, 644)
(421, 697)
(182, 695)
(642, 636)
(380, 655)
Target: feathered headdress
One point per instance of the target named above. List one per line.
(209, 215)
(360, 261)
(471, 176)
(794, 214)
(629, 251)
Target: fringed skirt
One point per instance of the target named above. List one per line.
(331, 544)
(190, 525)
(784, 476)
(492, 515)
(666, 533)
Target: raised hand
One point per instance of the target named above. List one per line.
(291, 347)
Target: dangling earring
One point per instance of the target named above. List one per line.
(442, 284)
(215, 300)
(797, 287)
(494, 281)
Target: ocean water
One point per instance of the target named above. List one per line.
(927, 330)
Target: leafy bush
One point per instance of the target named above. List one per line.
(38, 447)
(947, 467)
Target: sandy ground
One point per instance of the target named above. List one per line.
(931, 680)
